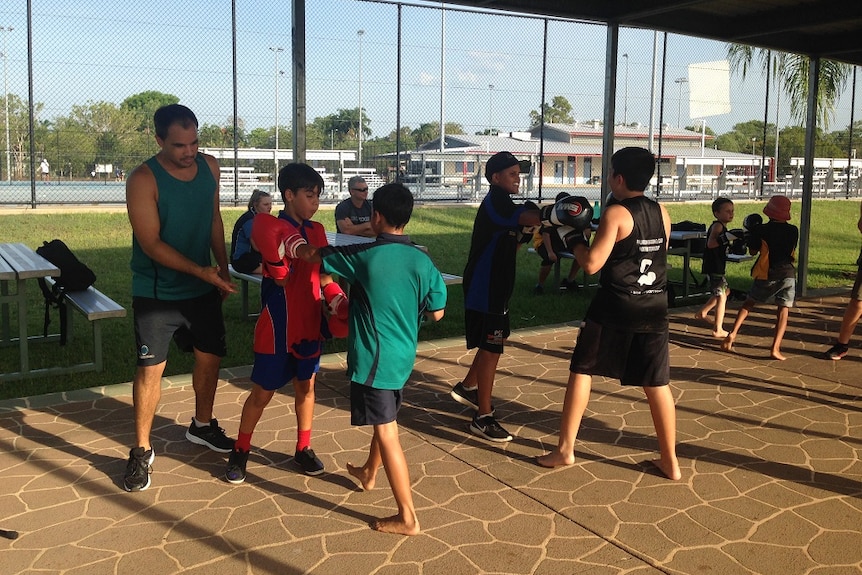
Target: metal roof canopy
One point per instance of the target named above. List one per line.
(820, 29)
(826, 29)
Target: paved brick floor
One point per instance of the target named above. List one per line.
(770, 454)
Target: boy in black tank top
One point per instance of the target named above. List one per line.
(625, 334)
(714, 265)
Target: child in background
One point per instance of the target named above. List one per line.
(548, 243)
(774, 273)
(243, 257)
(714, 264)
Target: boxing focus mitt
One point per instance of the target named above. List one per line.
(573, 211)
(277, 242)
(525, 233)
(751, 221)
(572, 237)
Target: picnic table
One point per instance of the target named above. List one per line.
(19, 265)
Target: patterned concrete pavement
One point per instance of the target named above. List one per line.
(770, 454)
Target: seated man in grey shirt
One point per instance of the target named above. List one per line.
(353, 215)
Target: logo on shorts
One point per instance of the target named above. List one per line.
(144, 353)
(496, 337)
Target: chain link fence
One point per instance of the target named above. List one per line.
(81, 82)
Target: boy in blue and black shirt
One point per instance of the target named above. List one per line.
(489, 279)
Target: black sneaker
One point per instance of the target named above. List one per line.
(837, 351)
(468, 397)
(211, 436)
(236, 464)
(565, 286)
(309, 462)
(464, 396)
(538, 290)
(487, 427)
(138, 469)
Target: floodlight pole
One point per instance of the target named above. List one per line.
(5, 29)
(276, 49)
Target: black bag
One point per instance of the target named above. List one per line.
(74, 276)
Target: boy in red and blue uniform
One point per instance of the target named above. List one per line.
(287, 336)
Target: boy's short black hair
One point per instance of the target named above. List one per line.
(297, 176)
(395, 203)
(636, 166)
(718, 203)
(165, 116)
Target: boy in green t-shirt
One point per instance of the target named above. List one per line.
(393, 287)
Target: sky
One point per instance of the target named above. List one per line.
(492, 65)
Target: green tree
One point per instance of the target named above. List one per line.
(425, 133)
(430, 132)
(145, 104)
(19, 135)
(559, 111)
(790, 71)
(104, 134)
(408, 142)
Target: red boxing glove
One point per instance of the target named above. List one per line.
(277, 241)
(336, 301)
(337, 327)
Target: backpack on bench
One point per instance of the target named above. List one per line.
(74, 276)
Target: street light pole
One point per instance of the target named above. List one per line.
(626, 93)
(752, 145)
(359, 131)
(702, 146)
(680, 82)
(276, 50)
(3, 30)
(490, 106)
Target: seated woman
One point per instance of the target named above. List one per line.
(243, 256)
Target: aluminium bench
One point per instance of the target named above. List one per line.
(95, 307)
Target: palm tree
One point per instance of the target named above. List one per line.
(790, 71)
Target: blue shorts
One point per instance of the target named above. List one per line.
(783, 291)
(372, 406)
(274, 371)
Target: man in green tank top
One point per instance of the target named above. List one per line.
(173, 205)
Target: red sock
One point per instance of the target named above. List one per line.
(243, 442)
(303, 439)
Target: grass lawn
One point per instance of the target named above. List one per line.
(102, 239)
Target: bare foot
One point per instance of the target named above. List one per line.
(366, 478)
(777, 355)
(396, 524)
(669, 469)
(701, 316)
(727, 344)
(554, 459)
(720, 334)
